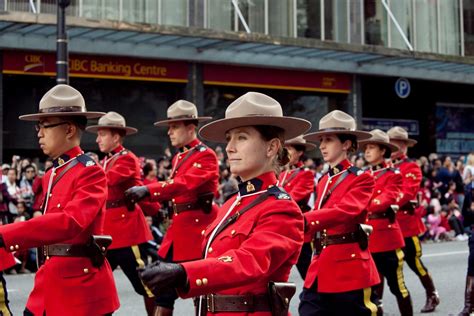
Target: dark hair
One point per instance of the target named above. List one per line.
(270, 132)
(189, 122)
(79, 121)
(118, 131)
(352, 138)
(147, 168)
(298, 147)
(30, 166)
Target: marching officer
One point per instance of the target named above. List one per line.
(248, 251)
(386, 241)
(7, 260)
(75, 278)
(125, 223)
(409, 220)
(298, 182)
(190, 189)
(342, 271)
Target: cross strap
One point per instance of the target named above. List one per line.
(293, 175)
(339, 180)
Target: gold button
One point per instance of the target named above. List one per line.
(51, 194)
(17, 247)
(389, 226)
(198, 282)
(379, 191)
(324, 230)
(123, 215)
(86, 270)
(173, 200)
(404, 212)
(197, 220)
(59, 205)
(232, 232)
(313, 223)
(317, 222)
(155, 194)
(103, 249)
(353, 255)
(287, 300)
(204, 281)
(203, 232)
(12, 248)
(209, 250)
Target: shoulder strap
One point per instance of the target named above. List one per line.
(190, 152)
(381, 173)
(339, 180)
(293, 175)
(113, 160)
(64, 171)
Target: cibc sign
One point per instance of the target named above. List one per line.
(402, 88)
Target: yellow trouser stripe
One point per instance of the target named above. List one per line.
(400, 279)
(141, 264)
(3, 304)
(368, 303)
(418, 264)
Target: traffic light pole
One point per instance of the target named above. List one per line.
(62, 57)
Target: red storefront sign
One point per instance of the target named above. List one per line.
(276, 79)
(108, 67)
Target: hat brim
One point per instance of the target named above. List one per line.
(393, 148)
(215, 131)
(307, 146)
(95, 128)
(38, 116)
(314, 137)
(167, 122)
(410, 142)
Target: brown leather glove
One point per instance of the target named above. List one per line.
(161, 276)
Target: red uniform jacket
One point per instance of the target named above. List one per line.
(299, 183)
(411, 225)
(37, 188)
(7, 260)
(195, 171)
(260, 246)
(127, 228)
(74, 212)
(386, 236)
(342, 267)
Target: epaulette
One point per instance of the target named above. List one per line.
(124, 152)
(279, 193)
(201, 147)
(355, 170)
(394, 170)
(85, 160)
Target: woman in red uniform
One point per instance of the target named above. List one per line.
(298, 182)
(386, 241)
(257, 235)
(342, 271)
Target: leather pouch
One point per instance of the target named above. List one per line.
(280, 294)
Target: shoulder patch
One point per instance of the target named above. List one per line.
(279, 193)
(85, 160)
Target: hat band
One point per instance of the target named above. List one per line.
(335, 129)
(62, 109)
(182, 117)
(112, 125)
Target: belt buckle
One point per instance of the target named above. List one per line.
(210, 303)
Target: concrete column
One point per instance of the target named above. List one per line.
(355, 100)
(195, 87)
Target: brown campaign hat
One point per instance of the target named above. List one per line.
(337, 122)
(182, 110)
(61, 100)
(112, 120)
(379, 137)
(399, 133)
(300, 141)
(252, 109)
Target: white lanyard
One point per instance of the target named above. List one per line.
(107, 160)
(326, 187)
(231, 208)
(284, 178)
(50, 183)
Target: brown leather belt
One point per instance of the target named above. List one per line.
(183, 207)
(66, 250)
(237, 303)
(328, 240)
(115, 203)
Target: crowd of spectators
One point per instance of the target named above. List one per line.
(440, 196)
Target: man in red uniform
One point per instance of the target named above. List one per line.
(125, 223)
(408, 218)
(386, 241)
(190, 189)
(75, 279)
(298, 181)
(342, 271)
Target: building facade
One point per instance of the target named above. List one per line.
(387, 62)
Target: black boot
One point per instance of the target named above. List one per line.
(468, 297)
(432, 297)
(405, 306)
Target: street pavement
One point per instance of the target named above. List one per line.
(447, 262)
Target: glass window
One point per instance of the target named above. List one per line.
(375, 23)
(449, 28)
(308, 17)
(104, 9)
(426, 25)
(133, 11)
(253, 12)
(402, 11)
(174, 12)
(219, 15)
(281, 17)
(355, 16)
(468, 7)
